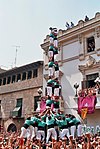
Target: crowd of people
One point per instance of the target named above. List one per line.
(90, 91)
(44, 132)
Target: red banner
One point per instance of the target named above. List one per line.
(42, 105)
(87, 102)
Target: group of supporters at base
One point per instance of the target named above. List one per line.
(12, 140)
(49, 125)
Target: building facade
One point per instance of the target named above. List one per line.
(19, 94)
(79, 61)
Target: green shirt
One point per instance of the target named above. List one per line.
(51, 64)
(51, 35)
(41, 124)
(74, 121)
(62, 124)
(60, 115)
(56, 84)
(51, 121)
(50, 82)
(55, 51)
(68, 119)
(29, 122)
(34, 119)
(49, 101)
(56, 102)
(51, 48)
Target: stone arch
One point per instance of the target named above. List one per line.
(10, 126)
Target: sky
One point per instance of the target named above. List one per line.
(24, 25)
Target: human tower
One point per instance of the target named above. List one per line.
(53, 85)
(51, 123)
(37, 122)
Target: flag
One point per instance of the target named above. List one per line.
(84, 112)
(42, 105)
(88, 102)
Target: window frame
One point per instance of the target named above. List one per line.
(89, 40)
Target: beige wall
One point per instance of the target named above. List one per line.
(26, 90)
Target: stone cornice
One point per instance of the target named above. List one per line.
(81, 27)
(21, 69)
(83, 68)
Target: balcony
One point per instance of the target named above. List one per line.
(97, 106)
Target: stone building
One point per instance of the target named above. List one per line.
(79, 61)
(19, 93)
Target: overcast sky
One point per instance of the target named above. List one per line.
(26, 23)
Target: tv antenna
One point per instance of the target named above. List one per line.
(16, 54)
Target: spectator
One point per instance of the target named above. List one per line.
(67, 25)
(86, 18)
(72, 24)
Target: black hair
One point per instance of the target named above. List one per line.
(28, 118)
(63, 118)
(49, 117)
(50, 28)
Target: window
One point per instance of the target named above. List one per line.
(18, 77)
(36, 98)
(90, 81)
(19, 102)
(8, 80)
(17, 112)
(4, 81)
(29, 75)
(90, 44)
(0, 82)
(24, 76)
(35, 73)
(13, 78)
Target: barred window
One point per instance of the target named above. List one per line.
(90, 44)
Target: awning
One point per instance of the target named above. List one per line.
(15, 111)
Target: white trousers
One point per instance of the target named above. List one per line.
(64, 132)
(49, 91)
(73, 129)
(23, 132)
(51, 41)
(51, 131)
(56, 57)
(34, 132)
(79, 130)
(57, 74)
(55, 43)
(51, 71)
(50, 54)
(40, 134)
(31, 129)
(56, 91)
